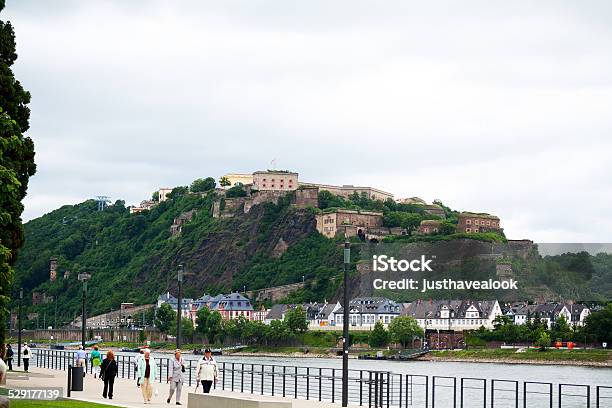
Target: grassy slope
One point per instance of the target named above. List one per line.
(600, 356)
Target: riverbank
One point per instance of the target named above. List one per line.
(587, 358)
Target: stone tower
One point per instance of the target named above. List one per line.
(53, 269)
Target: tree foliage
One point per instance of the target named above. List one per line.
(16, 164)
(295, 319)
(379, 337)
(202, 185)
(404, 329)
(165, 319)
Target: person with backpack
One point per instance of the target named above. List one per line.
(26, 357)
(108, 372)
(95, 359)
(9, 357)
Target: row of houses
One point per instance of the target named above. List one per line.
(365, 312)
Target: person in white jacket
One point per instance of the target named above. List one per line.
(207, 372)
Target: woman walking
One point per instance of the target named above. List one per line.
(109, 372)
(177, 368)
(96, 360)
(207, 371)
(147, 371)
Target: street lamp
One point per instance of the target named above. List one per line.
(345, 323)
(83, 277)
(178, 306)
(19, 329)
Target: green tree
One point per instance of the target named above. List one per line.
(224, 182)
(236, 191)
(202, 318)
(543, 341)
(178, 192)
(215, 328)
(295, 319)
(16, 164)
(155, 196)
(404, 329)
(560, 330)
(142, 337)
(201, 185)
(165, 318)
(379, 337)
(598, 325)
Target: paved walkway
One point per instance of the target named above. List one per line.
(126, 394)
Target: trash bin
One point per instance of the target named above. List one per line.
(77, 378)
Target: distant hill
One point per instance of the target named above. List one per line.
(135, 257)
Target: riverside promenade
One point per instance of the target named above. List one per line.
(127, 394)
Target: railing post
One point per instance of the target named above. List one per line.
(262, 379)
(433, 392)
(252, 376)
(307, 383)
(361, 388)
(224, 373)
(388, 386)
(232, 376)
(369, 389)
(273, 379)
(320, 383)
(588, 396)
(295, 382)
(69, 381)
(242, 378)
(516, 394)
(333, 385)
(560, 390)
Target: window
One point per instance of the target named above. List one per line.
(488, 222)
(468, 230)
(468, 222)
(476, 222)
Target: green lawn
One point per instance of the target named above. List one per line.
(55, 404)
(531, 354)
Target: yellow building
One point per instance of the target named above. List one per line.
(235, 178)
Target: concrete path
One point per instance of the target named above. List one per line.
(126, 394)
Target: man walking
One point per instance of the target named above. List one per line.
(177, 368)
(207, 371)
(9, 357)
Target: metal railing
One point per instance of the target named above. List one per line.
(374, 389)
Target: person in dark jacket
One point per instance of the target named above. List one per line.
(108, 372)
(9, 356)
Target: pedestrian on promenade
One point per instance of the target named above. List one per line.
(26, 357)
(96, 360)
(109, 371)
(177, 368)
(9, 356)
(137, 364)
(147, 369)
(81, 357)
(207, 371)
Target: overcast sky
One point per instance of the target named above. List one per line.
(495, 106)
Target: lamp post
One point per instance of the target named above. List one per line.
(83, 277)
(345, 323)
(19, 329)
(179, 306)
